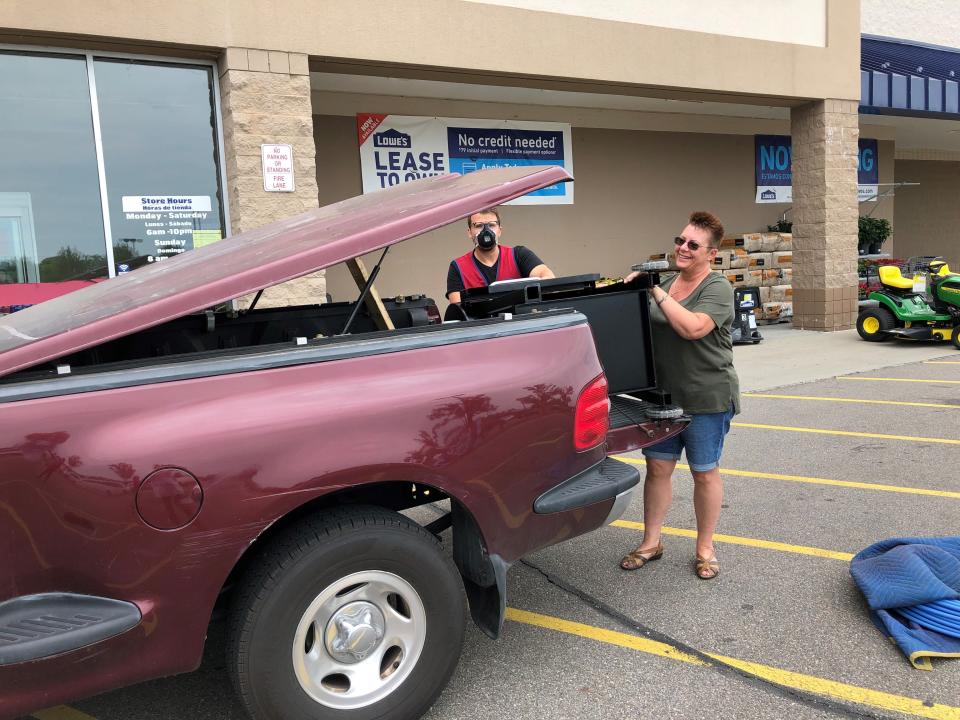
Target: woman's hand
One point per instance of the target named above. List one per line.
(657, 294)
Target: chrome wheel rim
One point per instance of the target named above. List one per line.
(359, 639)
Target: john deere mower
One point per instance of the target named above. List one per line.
(905, 313)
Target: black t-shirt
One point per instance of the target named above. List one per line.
(525, 258)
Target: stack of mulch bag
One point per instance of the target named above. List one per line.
(763, 260)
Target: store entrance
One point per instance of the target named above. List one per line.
(18, 243)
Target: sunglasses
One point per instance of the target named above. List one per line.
(692, 244)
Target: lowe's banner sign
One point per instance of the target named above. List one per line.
(773, 155)
(396, 149)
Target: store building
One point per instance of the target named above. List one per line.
(910, 83)
(128, 139)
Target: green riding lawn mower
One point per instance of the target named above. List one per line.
(906, 311)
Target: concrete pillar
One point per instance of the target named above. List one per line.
(265, 97)
(825, 211)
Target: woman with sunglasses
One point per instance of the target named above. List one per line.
(691, 313)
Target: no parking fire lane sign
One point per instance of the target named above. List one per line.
(277, 168)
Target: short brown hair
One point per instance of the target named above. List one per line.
(709, 222)
(488, 211)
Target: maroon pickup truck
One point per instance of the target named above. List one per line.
(159, 458)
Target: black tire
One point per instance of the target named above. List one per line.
(955, 338)
(873, 324)
(303, 576)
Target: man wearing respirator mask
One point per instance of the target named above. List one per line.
(489, 261)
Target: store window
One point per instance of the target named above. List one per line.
(160, 158)
(75, 211)
(51, 223)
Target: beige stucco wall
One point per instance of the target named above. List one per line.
(927, 217)
(927, 21)
(790, 21)
(540, 47)
(634, 190)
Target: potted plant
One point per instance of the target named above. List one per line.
(872, 233)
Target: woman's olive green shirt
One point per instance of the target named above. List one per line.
(698, 374)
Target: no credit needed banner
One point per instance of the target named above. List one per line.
(396, 149)
(773, 156)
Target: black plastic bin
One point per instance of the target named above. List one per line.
(619, 316)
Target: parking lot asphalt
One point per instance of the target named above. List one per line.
(814, 470)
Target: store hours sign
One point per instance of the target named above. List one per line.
(160, 226)
(397, 149)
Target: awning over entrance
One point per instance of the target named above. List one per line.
(898, 77)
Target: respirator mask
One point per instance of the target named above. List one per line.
(486, 238)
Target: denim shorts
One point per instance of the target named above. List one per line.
(702, 439)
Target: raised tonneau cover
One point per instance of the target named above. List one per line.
(245, 263)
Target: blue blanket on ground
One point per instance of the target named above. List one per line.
(906, 572)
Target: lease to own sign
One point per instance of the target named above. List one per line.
(277, 168)
(397, 149)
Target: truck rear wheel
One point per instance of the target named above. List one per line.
(352, 615)
(873, 324)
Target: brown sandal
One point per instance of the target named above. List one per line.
(636, 559)
(710, 565)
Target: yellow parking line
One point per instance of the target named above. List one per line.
(749, 542)
(818, 481)
(851, 400)
(785, 678)
(61, 712)
(910, 380)
(848, 433)
(941, 362)
(611, 637)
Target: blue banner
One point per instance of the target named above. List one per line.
(773, 168)
(773, 159)
(868, 165)
(542, 146)
(472, 148)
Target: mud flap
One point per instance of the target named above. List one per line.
(484, 575)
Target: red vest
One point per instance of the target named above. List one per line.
(472, 277)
